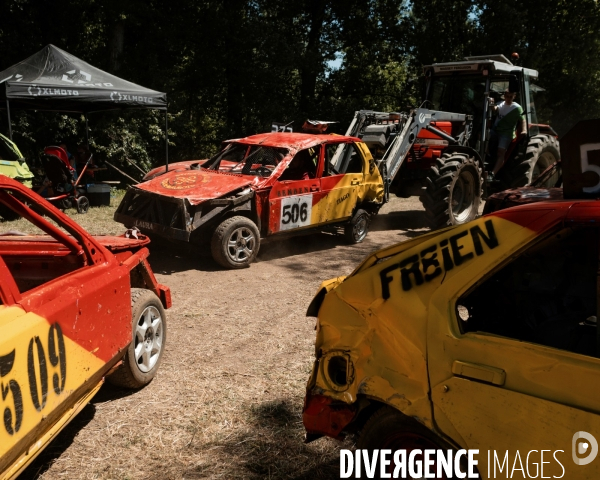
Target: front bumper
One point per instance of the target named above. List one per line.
(155, 214)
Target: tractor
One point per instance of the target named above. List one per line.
(439, 151)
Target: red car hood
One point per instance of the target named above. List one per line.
(197, 185)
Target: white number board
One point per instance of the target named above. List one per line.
(295, 212)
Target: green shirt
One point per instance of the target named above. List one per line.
(508, 117)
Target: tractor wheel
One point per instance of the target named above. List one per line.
(453, 190)
(542, 151)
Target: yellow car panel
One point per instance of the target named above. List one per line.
(395, 322)
(40, 373)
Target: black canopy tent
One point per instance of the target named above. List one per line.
(54, 80)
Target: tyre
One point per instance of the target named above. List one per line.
(83, 204)
(149, 335)
(65, 203)
(542, 151)
(453, 190)
(356, 229)
(389, 429)
(235, 242)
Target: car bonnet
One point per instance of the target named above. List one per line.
(196, 186)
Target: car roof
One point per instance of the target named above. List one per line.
(295, 141)
(497, 63)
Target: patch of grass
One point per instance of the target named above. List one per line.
(97, 221)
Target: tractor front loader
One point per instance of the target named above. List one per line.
(441, 153)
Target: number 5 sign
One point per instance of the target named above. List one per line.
(295, 212)
(580, 153)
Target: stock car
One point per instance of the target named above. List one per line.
(259, 186)
(479, 336)
(74, 309)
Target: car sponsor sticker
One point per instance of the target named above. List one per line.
(184, 181)
(295, 212)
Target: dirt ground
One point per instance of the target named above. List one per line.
(227, 400)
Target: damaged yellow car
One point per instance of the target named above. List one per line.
(479, 336)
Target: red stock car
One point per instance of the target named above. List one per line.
(74, 309)
(263, 185)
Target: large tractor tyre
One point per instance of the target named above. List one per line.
(542, 151)
(149, 334)
(453, 190)
(235, 242)
(388, 429)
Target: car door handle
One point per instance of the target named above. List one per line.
(354, 181)
(314, 188)
(483, 373)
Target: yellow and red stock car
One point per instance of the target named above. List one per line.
(73, 310)
(263, 185)
(482, 336)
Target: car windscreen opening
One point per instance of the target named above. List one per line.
(256, 160)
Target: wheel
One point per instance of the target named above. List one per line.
(235, 242)
(83, 204)
(453, 190)
(389, 429)
(8, 214)
(542, 151)
(149, 334)
(356, 229)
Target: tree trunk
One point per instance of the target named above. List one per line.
(313, 58)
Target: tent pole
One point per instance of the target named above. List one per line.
(9, 125)
(87, 132)
(167, 138)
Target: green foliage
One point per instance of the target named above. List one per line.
(231, 67)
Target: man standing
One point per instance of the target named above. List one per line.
(510, 114)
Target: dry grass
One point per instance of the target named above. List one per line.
(227, 400)
(97, 221)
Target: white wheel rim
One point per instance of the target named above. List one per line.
(359, 229)
(148, 339)
(463, 196)
(240, 245)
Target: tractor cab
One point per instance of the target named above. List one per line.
(472, 86)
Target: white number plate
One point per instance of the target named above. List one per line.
(295, 212)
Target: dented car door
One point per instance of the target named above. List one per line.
(512, 346)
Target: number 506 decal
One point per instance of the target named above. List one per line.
(295, 212)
